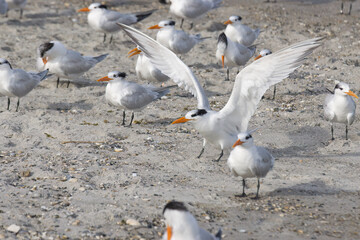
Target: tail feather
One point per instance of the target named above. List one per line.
(101, 57)
(198, 38)
(257, 32)
(142, 15)
(44, 74)
(218, 235)
(163, 91)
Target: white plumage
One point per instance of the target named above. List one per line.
(240, 33)
(221, 128)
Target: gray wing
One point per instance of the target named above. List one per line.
(23, 82)
(137, 97)
(73, 63)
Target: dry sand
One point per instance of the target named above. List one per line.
(69, 170)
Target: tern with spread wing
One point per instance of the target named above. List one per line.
(221, 128)
(64, 63)
(240, 33)
(129, 95)
(339, 107)
(182, 225)
(17, 82)
(249, 161)
(103, 20)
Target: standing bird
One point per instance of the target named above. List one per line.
(145, 70)
(16, 4)
(3, 7)
(17, 82)
(232, 54)
(340, 107)
(342, 6)
(240, 33)
(181, 224)
(264, 53)
(103, 20)
(249, 161)
(64, 63)
(128, 95)
(221, 128)
(191, 9)
(177, 41)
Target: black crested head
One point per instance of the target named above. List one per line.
(45, 47)
(122, 74)
(223, 38)
(199, 112)
(163, 1)
(9, 64)
(102, 6)
(175, 205)
(239, 18)
(338, 86)
(6, 62)
(172, 23)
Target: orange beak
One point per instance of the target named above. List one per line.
(104, 79)
(180, 120)
(134, 52)
(155, 27)
(223, 60)
(228, 22)
(45, 60)
(351, 93)
(169, 232)
(84, 10)
(258, 57)
(237, 143)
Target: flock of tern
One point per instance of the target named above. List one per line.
(158, 62)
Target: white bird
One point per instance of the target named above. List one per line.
(192, 9)
(129, 95)
(232, 54)
(182, 225)
(103, 20)
(177, 41)
(17, 4)
(249, 161)
(3, 7)
(145, 70)
(17, 82)
(240, 33)
(339, 107)
(221, 128)
(64, 63)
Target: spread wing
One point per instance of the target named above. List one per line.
(169, 64)
(252, 82)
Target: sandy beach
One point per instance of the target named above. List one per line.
(69, 170)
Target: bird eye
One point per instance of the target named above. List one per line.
(247, 137)
(341, 89)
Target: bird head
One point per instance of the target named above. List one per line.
(244, 139)
(192, 115)
(342, 88)
(4, 64)
(114, 75)
(263, 53)
(164, 24)
(134, 52)
(233, 19)
(51, 50)
(221, 47)
(93, 6)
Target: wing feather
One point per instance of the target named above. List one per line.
(169, 64)
(252, 82)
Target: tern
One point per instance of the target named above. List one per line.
(249, 161)
(221, 128)
(177, 41)
(16, 4)
(145, 70)
(64, 63)
(3, 7)
(17, 82)
(339, 107)
(181, 224)
(232, 54)
(240, 33)
(103, 20)
(129, 95)
(192, 9)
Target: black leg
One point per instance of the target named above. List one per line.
(191, 25)
(346, 132)
(221, 154)
(8, 107)
(181, 24)
(227, 74)
(132, 118)
(18, 104)
(332, 132)
(21, 13)
(350, 8)
(258, 188)
(274, 92)
(7, 15)
(201, 152)
(123, 123)
(104, 37)
(111, 38)
(244, 185)
(57, 82)
(342, 8)
(68, 83)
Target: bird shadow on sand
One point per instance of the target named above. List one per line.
(313, 188)
(68, 106)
